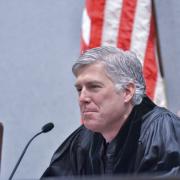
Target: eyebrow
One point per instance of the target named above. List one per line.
(89, 83)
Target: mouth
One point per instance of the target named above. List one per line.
(88, 112)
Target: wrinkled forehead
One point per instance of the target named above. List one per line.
(79, 67)
(93, 72)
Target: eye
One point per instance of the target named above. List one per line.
(94, 87)
(78, 90)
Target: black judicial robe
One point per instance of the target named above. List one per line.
(149, 142)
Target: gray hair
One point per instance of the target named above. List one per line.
(123, 67)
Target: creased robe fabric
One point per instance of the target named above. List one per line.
(148, 143)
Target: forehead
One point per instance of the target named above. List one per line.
(98, 66)
(92, 72)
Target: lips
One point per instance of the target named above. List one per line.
(87, 115)
(88, 112)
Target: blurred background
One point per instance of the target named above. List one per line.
(40, 40)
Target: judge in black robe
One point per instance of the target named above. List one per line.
(148, 141)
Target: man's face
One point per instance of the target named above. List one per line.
(102, 107)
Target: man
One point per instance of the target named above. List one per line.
(123, 131)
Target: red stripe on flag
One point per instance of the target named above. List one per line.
(95, 9)
(150, 67)
(126, 23)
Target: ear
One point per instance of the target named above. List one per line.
(129, 92)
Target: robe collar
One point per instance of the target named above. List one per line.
(124, 146)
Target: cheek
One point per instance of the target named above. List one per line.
(112, 104)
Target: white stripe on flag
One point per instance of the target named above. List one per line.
(141, 28)
(111, 22)
(86, 27)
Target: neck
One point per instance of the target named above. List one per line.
(112, 132)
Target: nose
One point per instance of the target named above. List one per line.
(84, 96)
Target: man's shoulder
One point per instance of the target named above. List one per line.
(78, 139)
(161, 114)
(81, 137)
(159, 117)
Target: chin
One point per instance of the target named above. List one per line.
(91, 126)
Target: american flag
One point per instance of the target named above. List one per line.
(127, 24)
